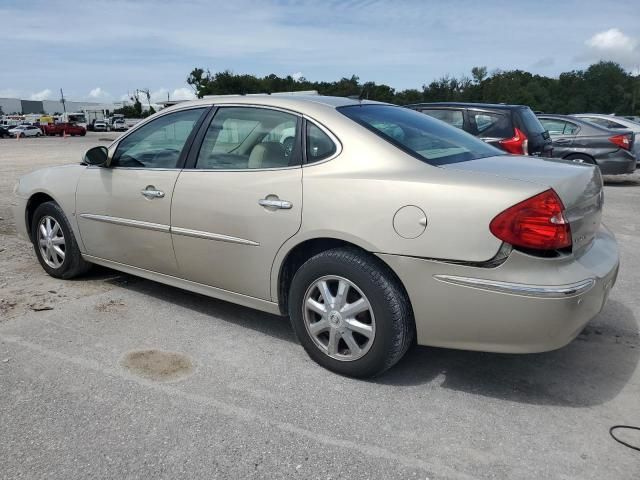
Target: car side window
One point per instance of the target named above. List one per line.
(570, 128)
(452, 117)
(240, 138)
(491, 125)
(554, 127)
(603, 122)
(157, 144)
(319, 144)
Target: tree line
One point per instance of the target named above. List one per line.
(604, 87)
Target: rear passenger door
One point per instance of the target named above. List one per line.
(562, 134)
(239, 199)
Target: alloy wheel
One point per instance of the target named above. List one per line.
(339, 318)
(51, 241)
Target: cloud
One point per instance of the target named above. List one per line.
(98, 93)
(183, 93)
(404, 47)
(544, 62)
(160, 95)
(9, 93)
(297, 76)
(613, 44)
(41, 95)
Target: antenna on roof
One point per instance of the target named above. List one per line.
(363, 95)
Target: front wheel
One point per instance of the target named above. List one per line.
(55, 244)
(350, 313)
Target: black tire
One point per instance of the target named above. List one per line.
(394, 322)
(73, 264)
(580, 158)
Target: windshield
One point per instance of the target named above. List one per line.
(420, 135)
(77, 117)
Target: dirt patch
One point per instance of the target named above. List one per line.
(6, 305)
(111, 306)
(157, 364)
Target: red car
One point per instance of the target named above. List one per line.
(62, 128)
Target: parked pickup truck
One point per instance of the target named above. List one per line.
(62, 128)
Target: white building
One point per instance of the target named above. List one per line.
(15, 105)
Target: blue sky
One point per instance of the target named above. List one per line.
(101, 50)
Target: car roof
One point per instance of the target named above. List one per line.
(579, 121)
(487, 106)
(614, 118)
(300, 103)
(559, 116)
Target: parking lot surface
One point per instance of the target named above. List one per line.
(247, 402)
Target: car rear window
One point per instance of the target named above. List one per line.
(420, 135)
(452, 117)
(491, 124)
(530, 122)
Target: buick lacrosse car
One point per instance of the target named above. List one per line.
(371, 226)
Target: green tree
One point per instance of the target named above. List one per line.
(604, 87)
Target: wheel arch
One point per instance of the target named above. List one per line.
(573, 155)
(291, 258)
(35, 200)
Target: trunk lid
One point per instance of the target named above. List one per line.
(579, 186)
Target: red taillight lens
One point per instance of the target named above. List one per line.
(538, 223)
(518, 144)
(623, 141)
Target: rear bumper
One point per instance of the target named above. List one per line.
(619, 162)
(525, 305)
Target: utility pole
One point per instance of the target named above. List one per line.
(62, 100)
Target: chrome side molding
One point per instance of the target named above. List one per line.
(543, 291)
(212, 236)
(127, 222)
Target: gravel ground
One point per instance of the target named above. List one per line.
(112, 376)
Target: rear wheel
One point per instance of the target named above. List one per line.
(350, 313)
(55, 244)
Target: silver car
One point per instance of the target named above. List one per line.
(371, 226)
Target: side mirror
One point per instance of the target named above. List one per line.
(96, 156)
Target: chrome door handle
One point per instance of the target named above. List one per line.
(275, 203)
(152, 193)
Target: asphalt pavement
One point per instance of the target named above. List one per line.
(245, 401)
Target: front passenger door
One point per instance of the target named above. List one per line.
(124, 209)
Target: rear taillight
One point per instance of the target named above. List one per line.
(537, 223)
(623, 141)
(518, 144)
